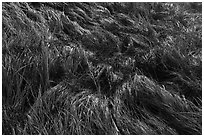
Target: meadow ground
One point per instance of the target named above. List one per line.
(101, 68)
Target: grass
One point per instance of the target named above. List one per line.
(101, 68)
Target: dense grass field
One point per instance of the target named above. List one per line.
(101, 68)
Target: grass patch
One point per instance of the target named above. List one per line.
(101, 68)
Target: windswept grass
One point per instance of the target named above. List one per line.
(101, 68)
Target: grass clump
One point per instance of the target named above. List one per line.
(101, 68)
